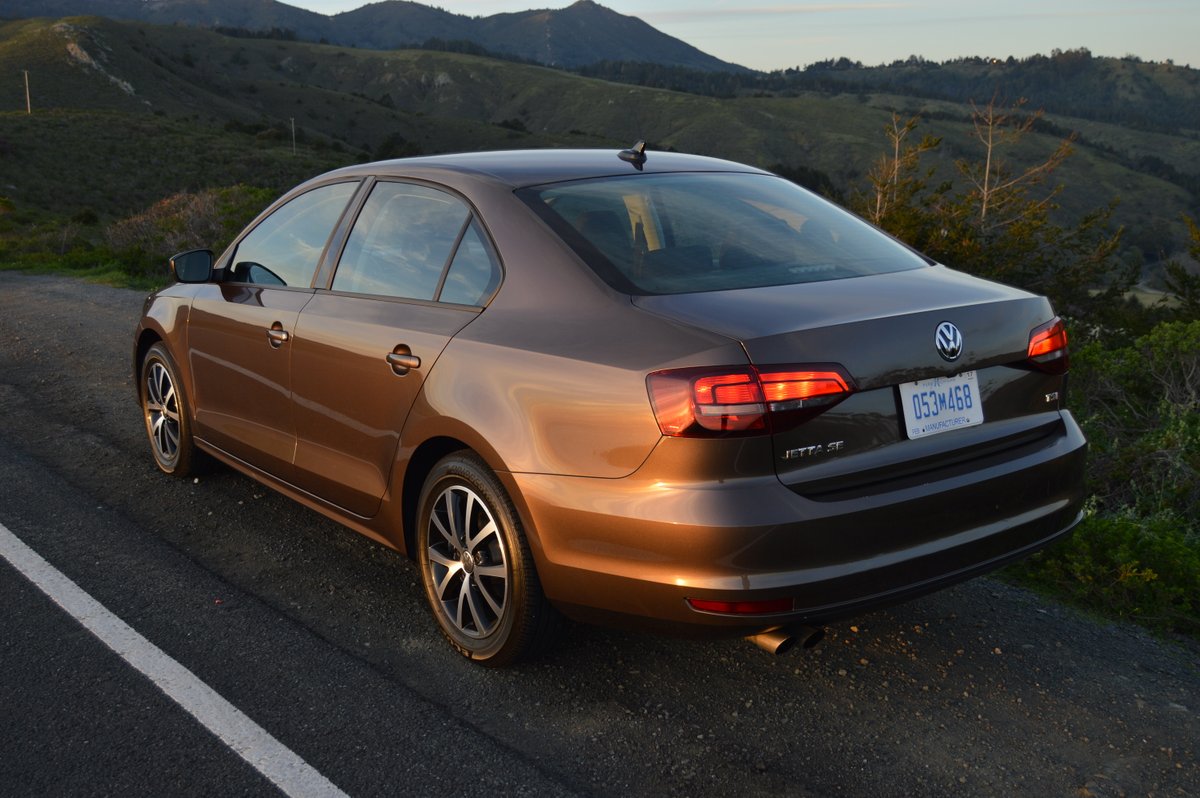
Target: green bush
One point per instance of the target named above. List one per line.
(1137, 554)
(183, 221)
(1140, 408)
(1142, 569)
(132, 251)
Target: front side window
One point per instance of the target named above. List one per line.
(285, 248)
(689, 232)
(403, 243)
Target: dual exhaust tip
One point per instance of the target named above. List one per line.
(782, 640)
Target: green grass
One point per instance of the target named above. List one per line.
(82, 265)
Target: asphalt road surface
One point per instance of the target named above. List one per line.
(321, 638)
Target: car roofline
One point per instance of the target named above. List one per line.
(521, 168)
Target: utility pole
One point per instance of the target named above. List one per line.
(28, 104)
(293, 134)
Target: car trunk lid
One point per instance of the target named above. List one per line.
(881, 330)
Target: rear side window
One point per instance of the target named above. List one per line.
(682, 233)
(474, 273)
(285, 248)
(416, 242)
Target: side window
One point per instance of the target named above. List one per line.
(285, 247)
(401, 242)
(474, 273)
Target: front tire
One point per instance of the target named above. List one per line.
(476, 565)
(164, 408)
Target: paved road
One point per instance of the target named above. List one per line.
(321, 637)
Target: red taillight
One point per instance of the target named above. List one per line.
(742, 607)
(791, 387)
(706, 402)
(1048, 347)
(709, 402)
(740, 388)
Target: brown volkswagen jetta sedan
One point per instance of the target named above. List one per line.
(620, 386)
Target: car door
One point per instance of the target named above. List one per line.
(241, 330)
(417, 267)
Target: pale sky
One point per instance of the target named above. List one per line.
(774, 34)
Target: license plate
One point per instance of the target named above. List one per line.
(941, 404)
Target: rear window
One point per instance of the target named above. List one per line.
(689, 232)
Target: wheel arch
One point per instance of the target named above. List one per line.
(146, 338)
(422, 461)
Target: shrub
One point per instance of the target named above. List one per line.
(1140, 407)
(1142, 569)
(1137, 554)
(187, 220)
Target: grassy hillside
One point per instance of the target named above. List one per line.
(111, 164)
(214, 104)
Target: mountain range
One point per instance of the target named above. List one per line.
(580, 34)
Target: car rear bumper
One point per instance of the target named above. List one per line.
(634, 550)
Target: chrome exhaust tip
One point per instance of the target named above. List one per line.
(780, 641)
(773, 641)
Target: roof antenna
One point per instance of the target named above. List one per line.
(635, 155)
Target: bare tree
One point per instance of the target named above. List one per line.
(999, 191)
(892, 177)
(999, 219)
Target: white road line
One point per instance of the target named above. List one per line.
(251, 742)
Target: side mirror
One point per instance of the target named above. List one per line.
(193, 266)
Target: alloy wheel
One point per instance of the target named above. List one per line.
(162, 412)
(467, 562)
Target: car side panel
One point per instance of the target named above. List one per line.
(350, 404)
(241, 383)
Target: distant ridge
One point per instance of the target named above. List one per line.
(580, 34)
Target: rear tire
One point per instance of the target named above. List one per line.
(164, 407)
(476, 566)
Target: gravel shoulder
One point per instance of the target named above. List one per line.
(983, 689)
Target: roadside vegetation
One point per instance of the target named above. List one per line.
(1137, 553)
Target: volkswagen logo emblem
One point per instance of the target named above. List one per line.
(948, 340)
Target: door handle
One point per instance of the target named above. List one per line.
(402, 360)
(277, 336)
